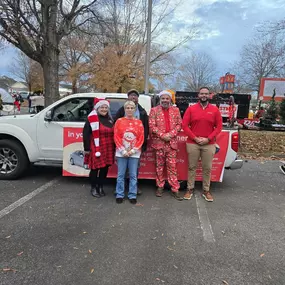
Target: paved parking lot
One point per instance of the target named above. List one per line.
(62, 235)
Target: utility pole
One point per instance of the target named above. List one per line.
(148, 41)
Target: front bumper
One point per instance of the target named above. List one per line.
(237, 164)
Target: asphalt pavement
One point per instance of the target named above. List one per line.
(52, 231)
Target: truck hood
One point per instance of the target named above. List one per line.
(14, 118)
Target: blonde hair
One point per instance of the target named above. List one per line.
(129, 103)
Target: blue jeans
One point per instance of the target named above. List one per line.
(124, 163)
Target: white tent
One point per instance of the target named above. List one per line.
(6, 97)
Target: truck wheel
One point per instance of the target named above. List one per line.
(13, 160)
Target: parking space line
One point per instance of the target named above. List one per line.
(205, 224)
(26, 198)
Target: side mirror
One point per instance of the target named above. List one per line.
(48, 116)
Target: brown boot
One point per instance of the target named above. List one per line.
(177, 196)
(188, 195)
(159, 192)
(208, 196)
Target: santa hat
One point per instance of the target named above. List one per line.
(165, 92)
(94, 123)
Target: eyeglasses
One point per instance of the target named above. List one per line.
(204, 93)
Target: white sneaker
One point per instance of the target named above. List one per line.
(282, 168)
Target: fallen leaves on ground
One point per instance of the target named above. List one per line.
(262, 145)
(90, 251)
(92, 270)
(20, 253)
(225, 282)
(8, 237)
(139, 205)
(262, 254)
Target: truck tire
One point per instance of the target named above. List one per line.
(13, 160)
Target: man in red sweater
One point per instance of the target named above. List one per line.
(202, 123)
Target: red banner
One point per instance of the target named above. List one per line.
(249, 123)
(230, 78)
(73, 158)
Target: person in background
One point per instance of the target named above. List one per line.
(141, 114)
(164, 125)
(30, 102)
(1, 104)
(129, 138)
(202, 123)
(17, 102)
(38, 102)
(98, 142)
(260, 113)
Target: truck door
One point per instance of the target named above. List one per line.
(70, 113)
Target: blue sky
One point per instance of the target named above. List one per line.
(225, 27)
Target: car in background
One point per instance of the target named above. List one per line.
(24, 94)
(77, 158)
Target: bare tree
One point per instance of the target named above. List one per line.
(73, 57)
(123, 35)
(27, 70)
(2, 45)
(261, 57)
(276, 28)
(198, 70)
(37, 27)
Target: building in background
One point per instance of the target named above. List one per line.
(270, 87)
(18, 87)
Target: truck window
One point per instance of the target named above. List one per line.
(73, 110)
(115, 105)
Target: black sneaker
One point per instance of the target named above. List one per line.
(95, 193)
(282, 168)
(177, 196)
(119, 200)
(133, 201)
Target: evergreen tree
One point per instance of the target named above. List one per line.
(282, 111)
(272, 111)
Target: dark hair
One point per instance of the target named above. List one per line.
(133, 91)
(204, 87)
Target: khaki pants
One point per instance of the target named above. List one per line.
(206, 153)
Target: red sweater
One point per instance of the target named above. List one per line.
(199, 122)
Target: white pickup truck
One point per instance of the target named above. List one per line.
(38, 138)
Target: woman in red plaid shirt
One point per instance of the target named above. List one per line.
(99, 147)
